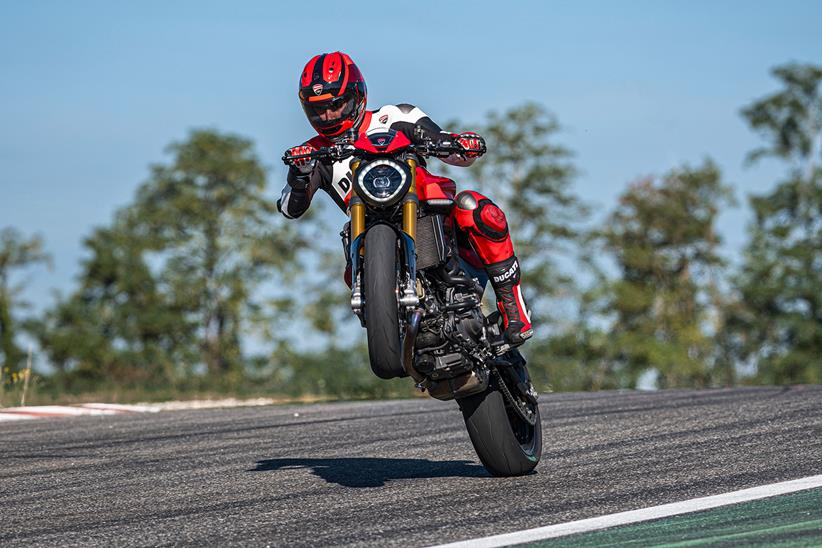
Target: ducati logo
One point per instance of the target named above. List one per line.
(508, 273)
(318, 88)
(383, 118)
(381, 141)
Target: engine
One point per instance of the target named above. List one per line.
(452, 339)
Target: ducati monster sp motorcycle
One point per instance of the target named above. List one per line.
(419, 306)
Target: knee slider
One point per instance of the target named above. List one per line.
(490, 220)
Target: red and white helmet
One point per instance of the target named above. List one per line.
(333, 94)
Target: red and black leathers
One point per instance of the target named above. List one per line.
(483, 229)
(487, 229)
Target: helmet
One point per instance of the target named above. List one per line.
(333, 94)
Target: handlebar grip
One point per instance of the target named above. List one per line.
(317, 154)
(298, 156)
(444, 151)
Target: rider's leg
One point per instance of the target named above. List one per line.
(487, 230)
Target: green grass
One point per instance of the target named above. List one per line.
(788, 520)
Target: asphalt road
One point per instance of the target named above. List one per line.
(385, 473)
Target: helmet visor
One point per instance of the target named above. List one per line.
(326, 114)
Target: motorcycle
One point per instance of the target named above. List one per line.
(418, 302)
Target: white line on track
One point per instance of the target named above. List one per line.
(645, 514)
(44, 411)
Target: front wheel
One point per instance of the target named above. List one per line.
(381, 306)
(507, 440)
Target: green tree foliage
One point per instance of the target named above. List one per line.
(663, 239)
(207, 217)
(16, 253)
(790, 119)
(174, 282)
(117, 327)
(780, 285)
(579, 356)
(778, 323)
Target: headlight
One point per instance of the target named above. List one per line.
(383, 182)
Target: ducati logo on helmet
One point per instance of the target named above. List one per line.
(383, 118)
(318, 88)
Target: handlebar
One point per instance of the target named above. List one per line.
(335, 152)
(426, 149)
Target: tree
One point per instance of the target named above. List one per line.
(16, 253)
(118, 327)
(173, 283)
(663, 239)
(206, 217)
(790, 119)
(779, 320)
(780, 284)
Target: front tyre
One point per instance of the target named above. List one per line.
(507, 444)
(381, 308)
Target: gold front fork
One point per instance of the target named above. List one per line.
(409, 206)
(356, 208)
(357, 217)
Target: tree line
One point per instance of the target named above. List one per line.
(199, 285)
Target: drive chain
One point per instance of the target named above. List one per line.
(519, 406)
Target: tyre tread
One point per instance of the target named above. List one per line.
(381, 309)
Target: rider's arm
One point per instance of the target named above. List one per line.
(298, 191)
(418, 126)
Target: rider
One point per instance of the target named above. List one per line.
(333, 95)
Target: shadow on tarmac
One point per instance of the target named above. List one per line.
(375, 472)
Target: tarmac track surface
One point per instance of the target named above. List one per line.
(382, 473)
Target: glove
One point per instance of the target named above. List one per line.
(471, 143)
(303, 165)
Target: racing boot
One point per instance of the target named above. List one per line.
(516, 318)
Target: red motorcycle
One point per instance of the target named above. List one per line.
(418, 303)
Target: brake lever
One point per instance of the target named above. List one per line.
(341, 152)
(439, 150)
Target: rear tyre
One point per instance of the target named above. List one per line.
(505, 443)
(381, 308)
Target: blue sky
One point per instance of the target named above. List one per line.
(92, 92)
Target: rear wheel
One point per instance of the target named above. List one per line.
(505, 430)
(381, 308)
